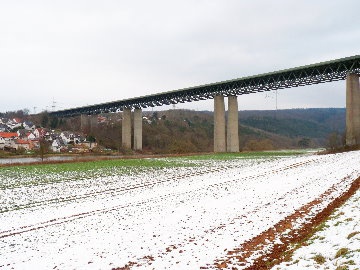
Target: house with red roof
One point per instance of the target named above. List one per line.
(40, 132)
(7, 139)
(9, 135)
(27, 145)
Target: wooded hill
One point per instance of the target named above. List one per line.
(181, 131)
(318, 125)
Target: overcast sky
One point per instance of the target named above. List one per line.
(82, 52)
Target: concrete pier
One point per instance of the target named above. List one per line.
(232, 134)
(219, 124)
(126, 129)
(84, 123)
(352, 110)
(137, 129)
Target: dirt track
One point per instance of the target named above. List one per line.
(277, 254)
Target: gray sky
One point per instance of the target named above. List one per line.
(83, 52)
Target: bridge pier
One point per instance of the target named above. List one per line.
(219, 124)
(232, 135)
(84, 123)
(126, 128)
(226, 138)
(137, 129)
(352, 110)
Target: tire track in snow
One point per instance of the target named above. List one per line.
(66, 219)
(178, 247)
(114, 191)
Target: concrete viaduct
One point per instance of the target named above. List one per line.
(226, 137)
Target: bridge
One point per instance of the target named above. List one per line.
(226, 137)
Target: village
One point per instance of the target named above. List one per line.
(21, 136)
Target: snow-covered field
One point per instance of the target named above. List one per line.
(335, 246)
(188, 217)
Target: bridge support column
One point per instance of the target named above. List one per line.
(137, 129)
(352, 110)
(126, 128)
(232, 144)
(219, 124)
(84, 123)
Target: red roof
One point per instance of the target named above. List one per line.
(22, 142)
(8, 134)
(17, 120)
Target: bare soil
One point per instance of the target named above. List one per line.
(281, 252)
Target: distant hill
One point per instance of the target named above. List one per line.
(316, 124)
(269, 128)
(285, 128)
(332, 118)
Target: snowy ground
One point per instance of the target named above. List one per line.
(173, 218)
(335, 246)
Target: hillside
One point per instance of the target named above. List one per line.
(181, 131)
(330, 119)
(314, 124)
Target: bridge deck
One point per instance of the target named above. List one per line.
(328, 71)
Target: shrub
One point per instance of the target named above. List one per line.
(352, 234)
(341, 252)
(342, 267)
(320, 259)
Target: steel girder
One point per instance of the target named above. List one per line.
(333, 70)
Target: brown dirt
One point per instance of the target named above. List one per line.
(281, 252)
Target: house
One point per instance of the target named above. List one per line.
(14, 123)
(36, 143)
(17, 120)
(27, 145)
(48, 134)
(22, 133)
(26, 135)
(28, 125)
(3, 127)
(52, 136)
(71, 137)
(67, 137)
(89, 145)
(9, 135)
(30, 136)
(58, 145)
(40, 132)
(7, 139)
(2, 143)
